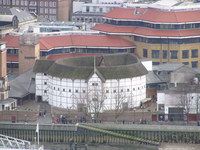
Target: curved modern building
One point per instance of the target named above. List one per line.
(163, 35)
(115, 80)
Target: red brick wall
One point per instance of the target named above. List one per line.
(19, 115)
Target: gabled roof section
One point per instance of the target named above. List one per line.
(154, 15)
(22, 16)
(185, 68)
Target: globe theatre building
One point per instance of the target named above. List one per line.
(71, 83)
(162, 35)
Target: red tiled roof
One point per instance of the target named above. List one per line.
(146, 31)
(11, 41)
(154, 15)
(84, 41)
(56, 57)
(47, 43)
(12, 58)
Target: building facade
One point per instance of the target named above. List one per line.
(52, 10)
(162, 35)
(93, 12)
(66, 44)
(5, 102)
(72, 83)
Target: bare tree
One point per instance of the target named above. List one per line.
(121, 105)
(95, 101)
(185, 103)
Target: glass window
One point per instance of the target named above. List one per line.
(173, 54)
(164, 54)
(185, 54)
(185, 63)
(155, 53)
(194, 64)
(194, 53)
(145, 53)
(155, 63)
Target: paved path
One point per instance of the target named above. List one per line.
(45, 114)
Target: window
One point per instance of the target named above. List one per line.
(107, 91)
(155, 53)
(46, 4)
(114, 91)
(87, 8)
(45, 91)
(83, 91)
(164, 54)
(185, 54)
(95, 84)
(194, 64)
(127, 90)
(145, 53)
(76, 91)
(69, 90)
(45, 83)
(155, 63)
(63, 90)
(174, 54)
(121, 90)
(185, 63)
(194, 53)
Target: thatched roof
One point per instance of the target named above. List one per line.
(117, 66)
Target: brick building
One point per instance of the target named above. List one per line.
(52, 10)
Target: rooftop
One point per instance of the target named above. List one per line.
(155, 15)
(50, 42)
(115, 66)
(22, 16)
(113, 29)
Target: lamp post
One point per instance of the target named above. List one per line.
(134, 109)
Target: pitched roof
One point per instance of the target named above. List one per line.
(47, 43)
(146, 31)
(83, 41)
(22, 16)
(154, 15)
(116, 66)
(22, 85)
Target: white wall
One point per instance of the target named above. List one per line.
(147, 64)
(176, 100)
(67, 93)
(77, 6)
